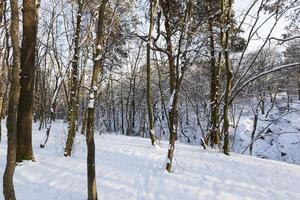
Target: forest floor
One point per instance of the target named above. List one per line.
(277, 135)
(130, 168)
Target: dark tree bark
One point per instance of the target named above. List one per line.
(214, 132)
(227, 10)
(2, 59)
(97, 70)
(176, 72)
(122, 111)
(25, 108)
(172, 110)
(8, 187)
(253, 131)
(83, 125)
(298, 84)
(4, 81)
(73, 104)
(112, 98)
(2, 10)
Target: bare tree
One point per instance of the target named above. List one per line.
(97, 70)
(176, 68)
(25, 108)
(8, 187)
(73, 104)
(153, 4)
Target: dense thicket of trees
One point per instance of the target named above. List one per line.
(140, 68)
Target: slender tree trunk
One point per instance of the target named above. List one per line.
(153, 4)
(122, 112)
(272, 101)
(133, 110)
(73, 104)
(163, 106)
(173, 117)
(109, 103)
(113, 108)
(175, 75)
(83, 125)
(4, 61)
(186, 112)
(8, 187)
(97, 69)
(25, 108)
(298, 83)
(253, 131)
(172, 109)
(214, 132)
(1, 113)
(2, 10)
(52, 110)
(227, 15)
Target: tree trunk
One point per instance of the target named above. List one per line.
(175, 75)
(113, 108)
(173, 117)
(253, 131)
(186, 112)
(122, 111)
(1, 104)
(133, 109)
(172, 109)
(227, 17)
(73, 104)
(4, 62)
(153, 4)
(298, 83)
(8, 187)
(25, 108)
(214, 132)
(2, 10)
(83, 125)
(97, 69)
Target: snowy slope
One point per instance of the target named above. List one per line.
(280, 129)
(129, 168)
(282, 143)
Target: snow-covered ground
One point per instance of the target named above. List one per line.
(130, 168)
(280, 132)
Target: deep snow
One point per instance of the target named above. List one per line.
(130, 168)
(280, 130)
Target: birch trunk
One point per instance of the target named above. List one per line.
(227, 9)
(153, 4)
(73, 104)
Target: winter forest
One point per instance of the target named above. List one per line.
(150, 99)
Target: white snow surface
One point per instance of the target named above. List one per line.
(130, 168)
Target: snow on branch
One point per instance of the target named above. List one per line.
(297, 64)
(283, 40)
(171, 100)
